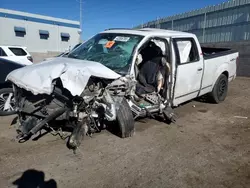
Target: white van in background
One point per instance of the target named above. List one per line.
(18, 54)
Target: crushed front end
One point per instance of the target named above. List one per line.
(84, 114)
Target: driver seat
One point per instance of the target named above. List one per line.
(147, 76)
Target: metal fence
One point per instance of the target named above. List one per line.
(228, 21)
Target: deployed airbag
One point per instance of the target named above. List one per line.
(74, 74)
(184, 50)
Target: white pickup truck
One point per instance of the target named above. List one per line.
(121, 74)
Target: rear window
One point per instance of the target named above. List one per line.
(2, 53)
(18, 51)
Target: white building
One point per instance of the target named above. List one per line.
(38, 33)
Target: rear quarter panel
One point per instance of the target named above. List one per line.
(214, 67)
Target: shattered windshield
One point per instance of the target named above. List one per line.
(113, 50)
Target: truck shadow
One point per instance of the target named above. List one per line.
(34, 179)
(204, 99)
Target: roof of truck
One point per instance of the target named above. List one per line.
(149, 32)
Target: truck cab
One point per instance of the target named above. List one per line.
(194, 69)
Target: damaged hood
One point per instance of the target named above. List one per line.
(74, 74)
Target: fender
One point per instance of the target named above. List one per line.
(221, 69)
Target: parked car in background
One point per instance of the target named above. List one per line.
(6, 90)
(18, 54)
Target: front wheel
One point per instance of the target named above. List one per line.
(7, 103)
(125, 120)
(220, 89)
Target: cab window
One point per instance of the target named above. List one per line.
(187, 50)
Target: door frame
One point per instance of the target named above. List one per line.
(177, 64)
(168, 48)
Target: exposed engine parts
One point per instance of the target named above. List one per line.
(86, 114)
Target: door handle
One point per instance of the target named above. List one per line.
(199, 69)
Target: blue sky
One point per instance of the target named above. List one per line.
(100, 14)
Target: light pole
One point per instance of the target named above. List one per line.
(80, 19)
(80, 14)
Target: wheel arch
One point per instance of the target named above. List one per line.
(223, 69)
(226, 73)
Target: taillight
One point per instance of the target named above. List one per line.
(30, 58)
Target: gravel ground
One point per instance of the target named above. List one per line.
(209, 146)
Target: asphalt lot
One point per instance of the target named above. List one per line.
(209, 146)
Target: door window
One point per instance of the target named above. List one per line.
(188, 51)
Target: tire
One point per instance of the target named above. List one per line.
(220, 90)
(125, 120)
(4, 93)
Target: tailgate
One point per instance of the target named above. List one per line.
(233, 60)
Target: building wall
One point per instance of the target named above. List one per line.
(32, 37)
(229, 21)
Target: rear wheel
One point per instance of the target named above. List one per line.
(220, 89)
(125, 120)
(7, 103)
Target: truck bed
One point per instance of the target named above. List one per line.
(210, 53)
